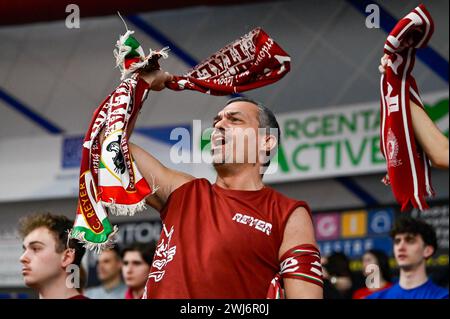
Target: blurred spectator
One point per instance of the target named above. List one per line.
(83, 281)
(414, 242)
(440, 276)
(51, 261)
(109, 272)
(137, 261)
(329, 291)
(337, 271)
(380, 259)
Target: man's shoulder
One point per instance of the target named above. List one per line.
(280, 195)
(285, 200)
(438, 292)
(194, 183)
(94, 292)
(188, 189)
(98, 292)
(428, 291)
(384, 293)
(94, 289)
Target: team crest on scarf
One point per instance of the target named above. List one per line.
(392, 150)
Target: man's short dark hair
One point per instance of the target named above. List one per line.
(145, 250)
(59, 226)
(338, 264)
(266, 118)
(414, 226)
(116, 250)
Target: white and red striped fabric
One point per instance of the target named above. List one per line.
(252, 61)
(300, 262)
(407, 164)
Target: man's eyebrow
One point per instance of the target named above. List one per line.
(35, 242)
(232, 113)
(405, 235)
(218, 117)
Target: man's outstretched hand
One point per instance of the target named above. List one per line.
(156, 79)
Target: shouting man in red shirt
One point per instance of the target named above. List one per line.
(236, 238)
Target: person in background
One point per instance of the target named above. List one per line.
(137, 261)
(51, 262)
(414, 243)
(83, 281)
(380, 259)
(337, 271)
(109, 272)
(329, 290)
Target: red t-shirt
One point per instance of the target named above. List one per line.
(219, 243)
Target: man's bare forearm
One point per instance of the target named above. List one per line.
(430, 138)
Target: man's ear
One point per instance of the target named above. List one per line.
(428, 251)
(68, 257)
(269, 143)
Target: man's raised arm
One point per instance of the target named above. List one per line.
(430, 138)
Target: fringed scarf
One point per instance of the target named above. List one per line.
(407, 164)
(253, 61)
(109, 179)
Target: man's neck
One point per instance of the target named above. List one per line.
(57, 289)
(412, 278)
(112, 283)
(239, 178)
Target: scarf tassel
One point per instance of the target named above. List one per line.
(96, 247)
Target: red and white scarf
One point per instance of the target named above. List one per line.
(109, 179)
(253, 61)
(301, 262)
(407, 164)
